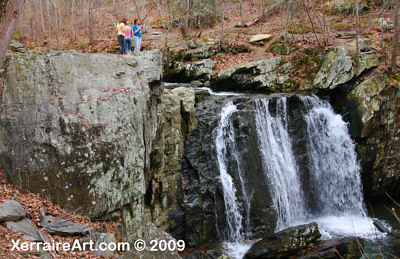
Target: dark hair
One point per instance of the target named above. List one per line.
(136, 20)
(123, 20)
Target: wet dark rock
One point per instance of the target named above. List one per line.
(394, 252)
(208, 251)
(285, 243)
(348, 247)
(63, 227)
(201, 217)
(11, 210)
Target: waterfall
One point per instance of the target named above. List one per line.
(279, 162)
(227, 153)
(333, 159)
(226, 149)
(333, 167)
(318, 180)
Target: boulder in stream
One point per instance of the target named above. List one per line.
(285, 243)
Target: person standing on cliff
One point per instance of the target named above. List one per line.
(128, 38)
(121, 35)
(137, 36)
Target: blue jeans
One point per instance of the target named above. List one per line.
(121, 43)
(137, 41)
(128, 45)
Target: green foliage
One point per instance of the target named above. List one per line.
(80, 46)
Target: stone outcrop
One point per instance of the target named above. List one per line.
(338, 67)
(178, 123)
(379, 143)
(258, 76)
(286, 243)
(79, 128)
(151, 232)
(365, 98)
(178, 73)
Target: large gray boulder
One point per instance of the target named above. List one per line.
(11, 210)
(79, 129)
(285, 243)
(337, 68)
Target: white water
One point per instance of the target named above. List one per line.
(279, 163)
(333, 170)
(226, 149)
(333, 173)
(224, 138)
(334, 164)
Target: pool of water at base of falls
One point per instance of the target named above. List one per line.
(376, 243)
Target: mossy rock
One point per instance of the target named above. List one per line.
(281, 48)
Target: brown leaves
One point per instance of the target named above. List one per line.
(33, 203)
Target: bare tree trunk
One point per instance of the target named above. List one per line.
(312, 23)
(287, 21)
(395, 36)
(159, 4)
(49, 20)
(185, 17)
(42, 18)
(9, 12)
(90, 21)
(73, 39)
(357, 31)
(222, 22)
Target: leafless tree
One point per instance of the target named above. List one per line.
(357, 31)
(185, 17)
(90, 21)
(395, 36)
(9, 12)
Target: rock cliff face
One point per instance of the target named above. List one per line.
(79, 130)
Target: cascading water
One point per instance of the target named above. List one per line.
(279, 162)
(224, 140)
(333, 159)
(322, 184)
(333, 168)
(226, 149)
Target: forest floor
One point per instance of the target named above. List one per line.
(33, 203)
(328, 29)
